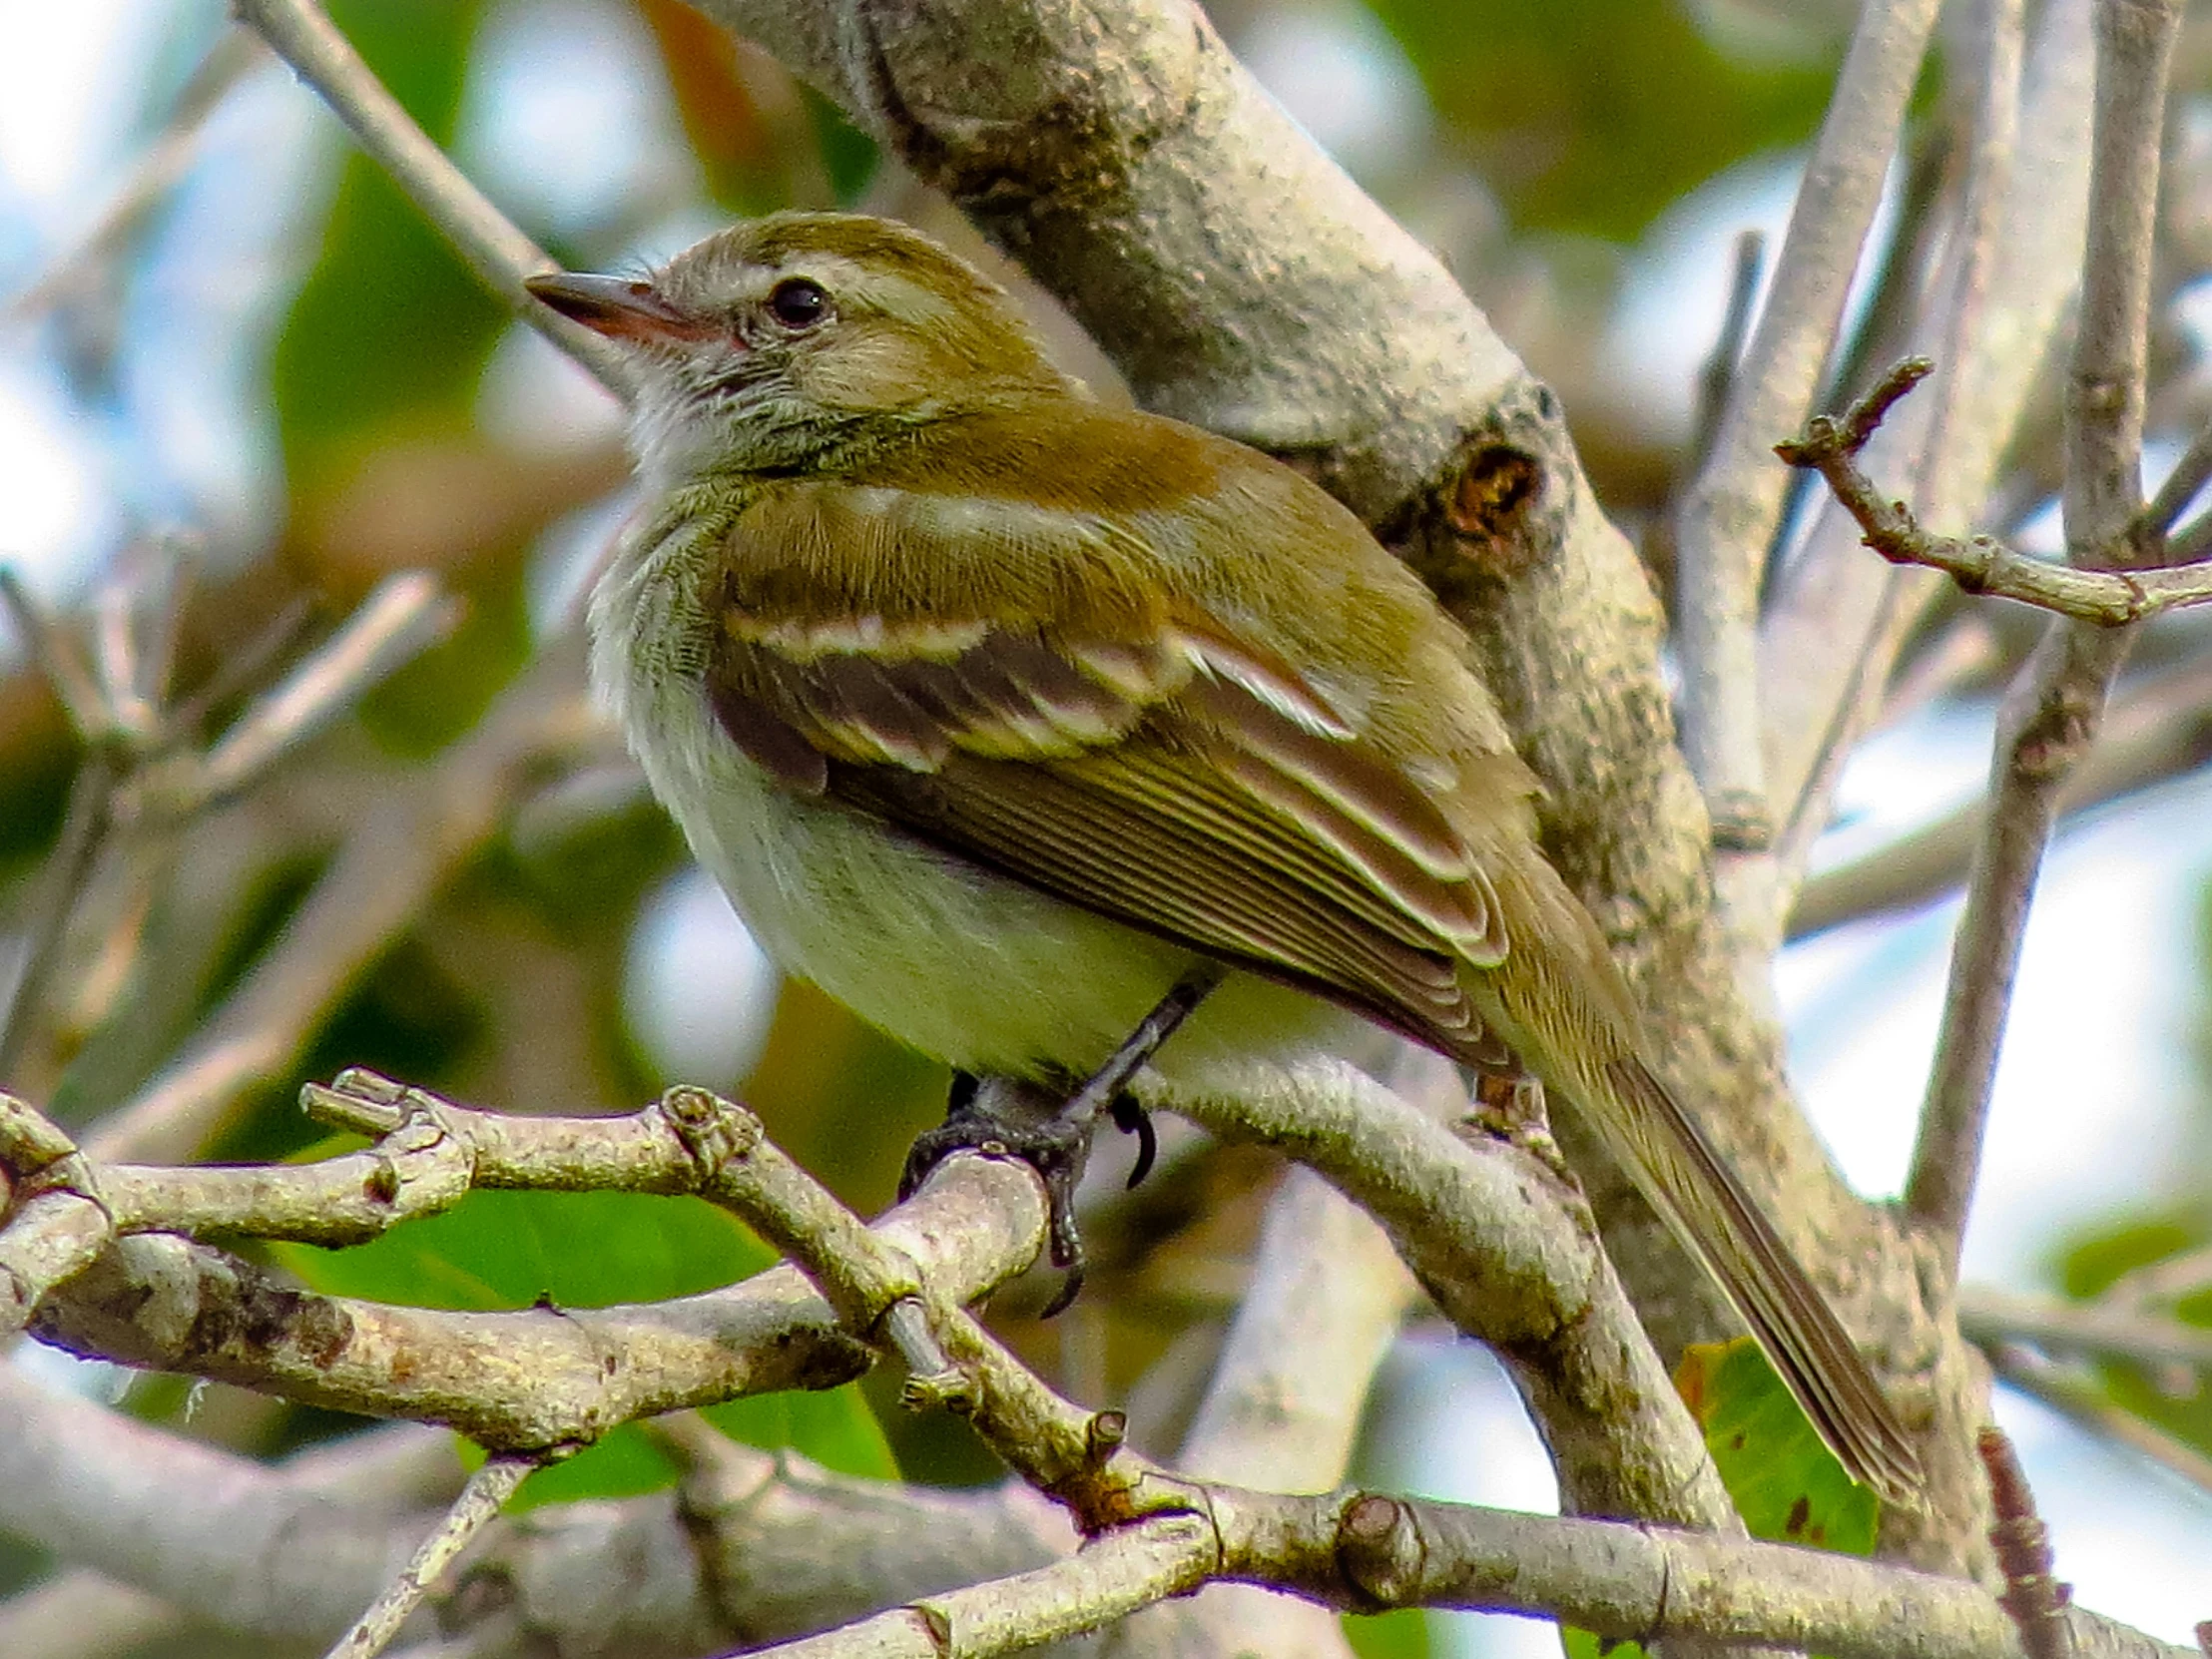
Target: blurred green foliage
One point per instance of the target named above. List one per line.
(389, 335)
(1593, 117)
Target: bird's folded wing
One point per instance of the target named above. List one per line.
(1167, 774)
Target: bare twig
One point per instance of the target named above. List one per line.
(1717, 379)
(61, 884)
(57, 657)
(2190, 474)
(1988, 1316)
(2157, 730)
(1728, 517)
(1837, 620)
(407, 613)
(2051, 719)
(1363, 1552)
(1940, 480)
(153, 175)
(1980, 564)
(500, 254)
(395, 859)
(1286, 1400)
(2032, 1596)
(480, 1501)
(2068, 1392)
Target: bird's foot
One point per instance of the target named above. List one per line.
(1510, 1106)
(1000, 1117)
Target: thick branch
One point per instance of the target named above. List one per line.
(541, 1377)
(1366, 1552)
(1501, 1248)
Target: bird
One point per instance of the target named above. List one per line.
(1000, 713)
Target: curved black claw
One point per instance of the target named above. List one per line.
(1132, 1119)
(1057, 1148)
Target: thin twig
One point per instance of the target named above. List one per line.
(2190, 474)
(1940, 482)
(481, 1500)
(1988, 1316)
(2032, 1595)
(423, 826)
(500, 254)
(1729, 515)
(1837, 620)
(57, 657)
(406, 614)
(1717, 379)
(61, 885)
(157, 169)
(2051, 719)
(2156, 730)
(1980, 564)
(2073, 1395)
(242, 667)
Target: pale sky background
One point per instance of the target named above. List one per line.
(563, 122)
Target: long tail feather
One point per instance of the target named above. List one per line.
(1699, 1197)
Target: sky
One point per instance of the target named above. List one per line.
(2094, 1087)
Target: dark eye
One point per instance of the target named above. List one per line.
(796, 303)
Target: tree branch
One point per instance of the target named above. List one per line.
(407, 844)
(1834, 614)
(300, 33)
(1979, 564)
(1285, 1401)
(1988, 1316)
(477, 1506)
(2053, 716)
(1362, 1551)
(529, 1380)
(2155, 729)
(1728, 516)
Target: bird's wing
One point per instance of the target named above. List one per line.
(1149, 766)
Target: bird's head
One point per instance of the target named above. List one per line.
(775, 342)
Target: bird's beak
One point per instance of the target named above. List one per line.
(617, 307)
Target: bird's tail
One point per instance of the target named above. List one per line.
(1699, 1197)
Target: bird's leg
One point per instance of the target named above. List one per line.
(1509, 1104)
(997, 1115)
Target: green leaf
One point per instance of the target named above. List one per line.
(1402, 1633)
(1580, 1644)
(500, 1250)
(1788, 1486)
(2091, 1264)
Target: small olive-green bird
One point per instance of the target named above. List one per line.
(996, 711)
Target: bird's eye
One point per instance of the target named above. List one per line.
(796, 303)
